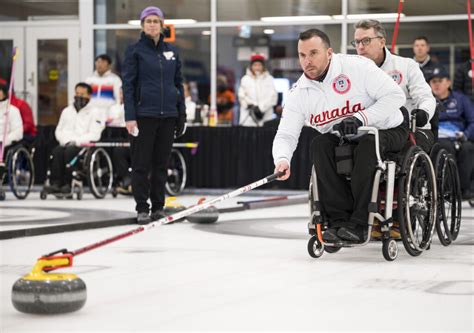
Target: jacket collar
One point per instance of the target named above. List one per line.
(149, 42)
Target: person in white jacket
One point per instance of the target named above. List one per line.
(105, 84)
(257, 94)
(79, 123)
(369, 41)
(347, 91)
(15, 124)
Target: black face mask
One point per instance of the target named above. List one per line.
(80, 102)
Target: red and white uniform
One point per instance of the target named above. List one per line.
(15, 124)
(407, 74)
(105, 89)
(353, 86)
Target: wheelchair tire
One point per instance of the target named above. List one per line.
(2, 195)
(21, 172)
(449, 198)
(416, 201)
(43, 195)
(390, 249)
(100, 173)
(177, 173)
(315, 248)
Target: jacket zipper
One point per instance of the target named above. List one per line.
(161, 74)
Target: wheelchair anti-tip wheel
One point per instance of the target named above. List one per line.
(449, 198)
(417, 201)
(176, 180)
(21, 172)
(390, 249)
(315, 248)
(99, 173)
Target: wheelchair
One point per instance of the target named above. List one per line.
(177, 173)
(404, 190)
(92, 166)
(449, 195)
(19, 171)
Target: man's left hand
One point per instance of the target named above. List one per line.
(348, 126)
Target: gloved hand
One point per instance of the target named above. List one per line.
(256, 112)
(421, 117)
(348, 126)
(180, 126)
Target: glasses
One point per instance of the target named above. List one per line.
(364, 41)
(152, 21)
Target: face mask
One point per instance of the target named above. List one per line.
(80, 102)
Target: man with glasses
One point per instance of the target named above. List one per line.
(347, 91)
(369, 41)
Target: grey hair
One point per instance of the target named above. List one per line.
(376, 25)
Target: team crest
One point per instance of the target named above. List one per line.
(341, 84)
(397, 76)
(452, 104)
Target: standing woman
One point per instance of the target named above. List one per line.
(155, 112)
(257, 94)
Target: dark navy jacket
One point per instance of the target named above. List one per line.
(458, 115)
(152, 81)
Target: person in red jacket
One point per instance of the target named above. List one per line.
(29, 127)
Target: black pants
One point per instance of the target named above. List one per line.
(424, 139)
(465, 161)
(60, 174)
(121, 159)
(347, 202)
(150, 153)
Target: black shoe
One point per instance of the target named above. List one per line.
(330, 235)
(356, 234)
(66, 189)
(53, 188)
(143, 218)
(157, 214)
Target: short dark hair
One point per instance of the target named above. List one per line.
(105, 57)
(421, 38)
(310, 33)
(84, 85)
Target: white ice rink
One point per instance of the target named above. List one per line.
(249, 271)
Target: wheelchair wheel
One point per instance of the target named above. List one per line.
(417, 201)
(21, 172)
(449, 198)
(390, 249)
(99, 173)
(176, 180)
(315, 248)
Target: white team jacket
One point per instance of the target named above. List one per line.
(116, 116)
(80, 127)
(105, 89)
(407, 74)
(15, 124)
(353, 86)
(257, 90)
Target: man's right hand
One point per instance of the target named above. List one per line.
(130, 125)
(283, 166)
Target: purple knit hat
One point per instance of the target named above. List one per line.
(151, 11)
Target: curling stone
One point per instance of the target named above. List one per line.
(208, 215)
(49, 293)
(172, 207)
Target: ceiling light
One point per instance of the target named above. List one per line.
(368, 16)
(206, 32)
(268, 31)
(295, 18)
